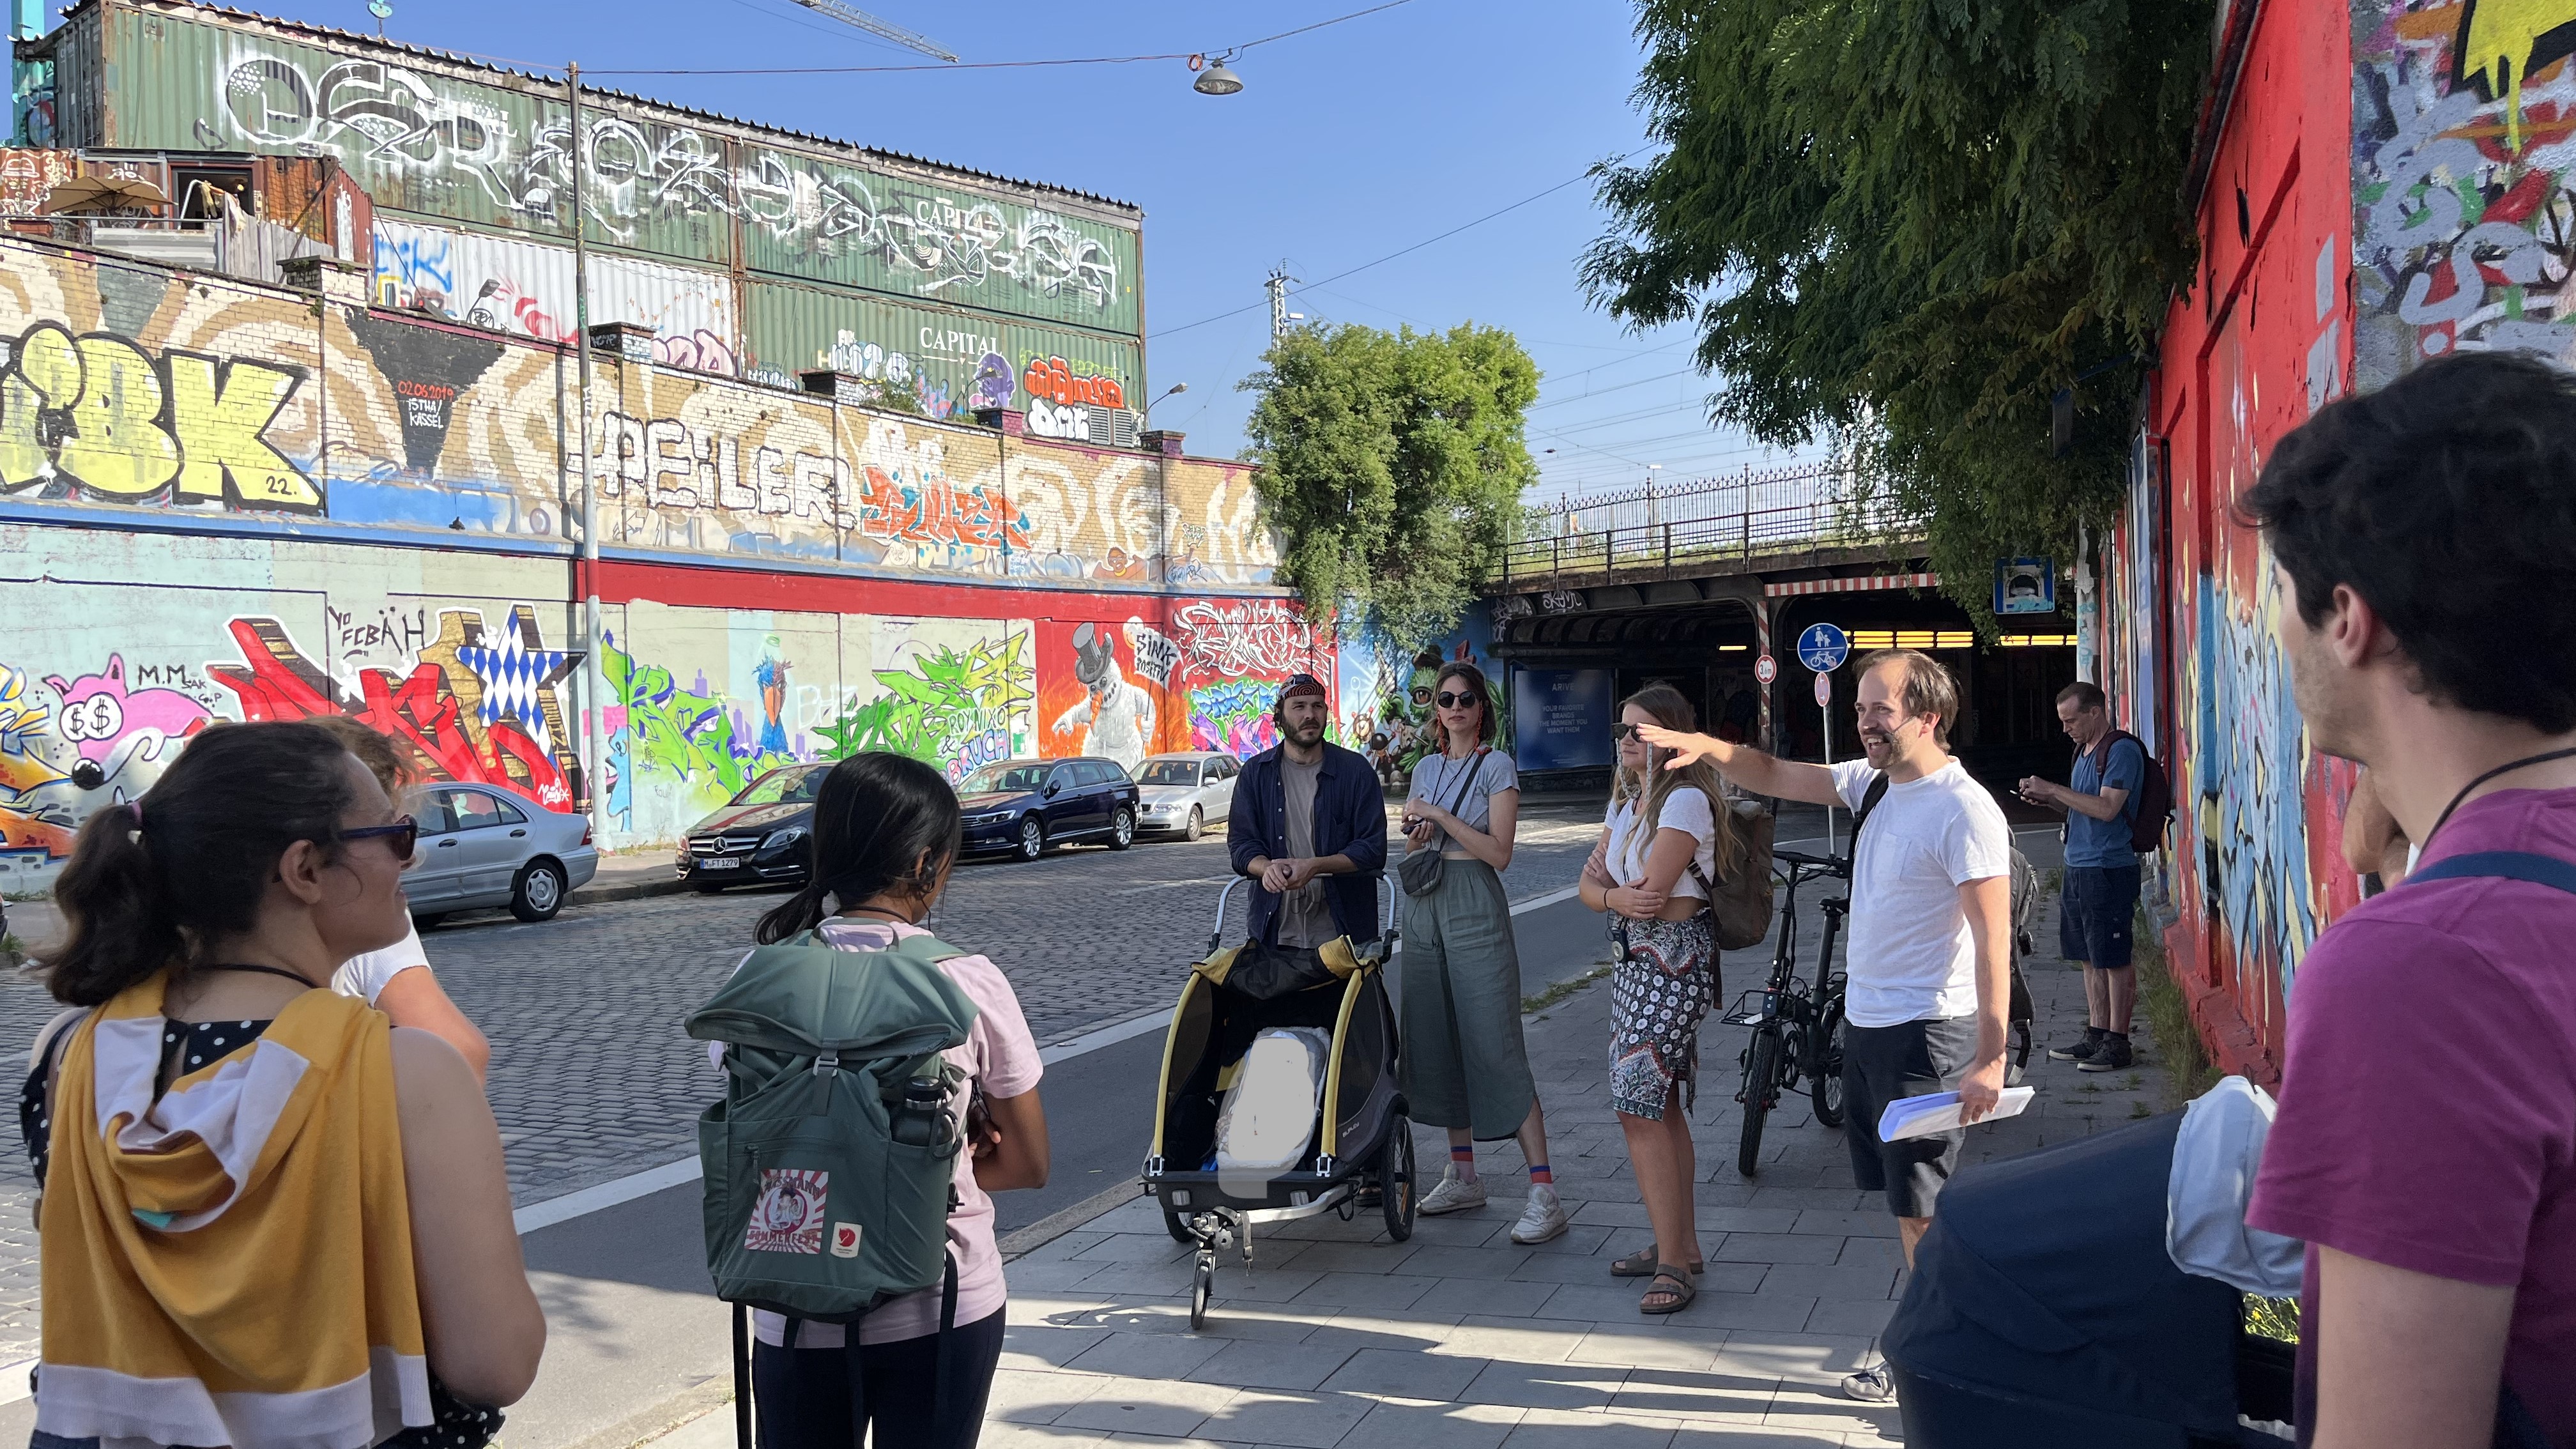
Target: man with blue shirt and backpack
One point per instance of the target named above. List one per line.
(2106, 801)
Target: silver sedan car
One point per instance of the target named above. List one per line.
(482, 845)
(1183, 794)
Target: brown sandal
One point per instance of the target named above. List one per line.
(1642, 1264)
(1679, 1296)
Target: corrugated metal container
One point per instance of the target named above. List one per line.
(654, 187)
(1061, 366)
(314, 195)
(808, 218)
(953, 362)
(79, 111)
(525, 288)
(437, 136)
(415, 140)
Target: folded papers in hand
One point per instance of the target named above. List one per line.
(1939, 1112)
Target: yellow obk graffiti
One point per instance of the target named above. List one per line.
(128, 428)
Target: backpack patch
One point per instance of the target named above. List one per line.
(789, 1216)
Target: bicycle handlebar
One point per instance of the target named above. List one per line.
(1834, 864)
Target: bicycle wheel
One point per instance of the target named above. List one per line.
(1826, 1088)
(1761, 1079)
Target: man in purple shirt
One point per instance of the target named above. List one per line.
(2426, 1144)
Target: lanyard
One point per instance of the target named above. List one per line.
(2504, 769)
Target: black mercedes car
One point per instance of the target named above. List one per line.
(1024, 806)
(764, 835)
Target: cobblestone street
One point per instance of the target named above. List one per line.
(592, 1077)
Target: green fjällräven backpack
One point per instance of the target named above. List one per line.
(831, 1163)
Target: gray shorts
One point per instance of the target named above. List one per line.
(1882, 1064)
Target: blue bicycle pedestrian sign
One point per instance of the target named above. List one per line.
(1823, 648)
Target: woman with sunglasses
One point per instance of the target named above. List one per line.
(225, 1145)
(1464, 1064)
(397, 980)
(1667, 837)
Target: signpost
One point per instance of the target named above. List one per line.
(1823, 648)
(1766, 669)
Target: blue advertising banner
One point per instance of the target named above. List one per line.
(1561, 719)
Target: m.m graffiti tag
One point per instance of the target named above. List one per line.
(96, 412)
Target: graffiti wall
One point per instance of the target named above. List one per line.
(2252, 872)
(473, 662)
(1201, 675)
(1383, 705)
(2464, 228)
(122, 385)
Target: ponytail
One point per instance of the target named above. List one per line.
(152, 881)
(882, 823)
(121, 929)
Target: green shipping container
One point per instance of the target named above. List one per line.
(934, 240)
(949, 362)
(1061, 366)
(443, 138)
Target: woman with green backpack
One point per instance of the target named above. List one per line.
(885, 839)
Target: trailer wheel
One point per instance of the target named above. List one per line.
(1202, 1284)
(1395, 1179)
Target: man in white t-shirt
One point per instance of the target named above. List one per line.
(1930, 950)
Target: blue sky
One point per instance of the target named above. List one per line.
(1346, 144)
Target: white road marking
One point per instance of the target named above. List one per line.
(671, 1174)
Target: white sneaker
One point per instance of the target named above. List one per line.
(1872, 1385)
(1543, 1219)
(1452, 1196)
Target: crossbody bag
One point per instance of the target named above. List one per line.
(1420, 871)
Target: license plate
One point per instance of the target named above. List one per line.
(719, 865)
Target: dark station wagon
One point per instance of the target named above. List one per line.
(1024, 806)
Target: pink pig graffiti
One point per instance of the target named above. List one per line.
(98, 710)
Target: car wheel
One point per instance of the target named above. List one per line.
(1197, 826)
(539, 891)
(1032, 842)
(427, 920)
(1122, 828)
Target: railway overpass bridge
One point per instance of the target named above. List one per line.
(1695, 583)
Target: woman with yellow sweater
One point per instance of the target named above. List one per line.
(269, 1216)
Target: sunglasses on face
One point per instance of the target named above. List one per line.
(402, 835)
(1624, 731)
(1447, 700)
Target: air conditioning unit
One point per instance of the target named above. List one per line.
(1085, 423)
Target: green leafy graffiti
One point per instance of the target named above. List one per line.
(951, 709)
(687, 734)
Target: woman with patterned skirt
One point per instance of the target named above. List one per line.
(1666, 838)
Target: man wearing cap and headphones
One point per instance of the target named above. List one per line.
(1309, 823)
(1121, 714)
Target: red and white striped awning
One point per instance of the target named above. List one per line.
(1852, 586)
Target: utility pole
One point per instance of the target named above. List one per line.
(594, 688)
(1278, 287)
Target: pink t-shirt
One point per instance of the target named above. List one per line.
(999, 1056)
(2428, 1101)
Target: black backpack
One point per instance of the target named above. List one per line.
(2154, 795)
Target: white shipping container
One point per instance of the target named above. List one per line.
(525, 288)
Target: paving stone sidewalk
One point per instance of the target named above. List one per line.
(1339, 1338)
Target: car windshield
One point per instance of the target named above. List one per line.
(784, 787)
(995, 778)
(1168, 772)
